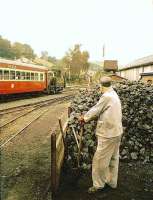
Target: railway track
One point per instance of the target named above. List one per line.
(11, 98)
(33, 112)
(23, 97)
(29, 108)
(43, 100)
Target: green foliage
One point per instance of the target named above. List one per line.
(22, 50)
(76, 61)
(28, 51)
(16, 50)
(45, 56)
(52, 59)
(5, 48)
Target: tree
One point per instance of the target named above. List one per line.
(5, 48)
(44, 55)
(17, 49)
(76, 61)
(52, 59)
(28, 52)
(22, 50)
(85, 63)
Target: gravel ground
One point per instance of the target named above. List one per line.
(9, 116)
(135, 183)
(25, 162)
(25, 167)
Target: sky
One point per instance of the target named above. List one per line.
(124, 26)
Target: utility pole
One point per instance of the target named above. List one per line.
(103, 51)
(103, 59)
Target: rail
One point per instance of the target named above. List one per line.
(44, 104)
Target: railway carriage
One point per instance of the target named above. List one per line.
(17, 77)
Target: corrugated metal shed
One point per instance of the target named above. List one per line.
(145, 61)
(147, 77)
(147, 73)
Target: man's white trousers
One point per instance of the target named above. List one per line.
(105, 162)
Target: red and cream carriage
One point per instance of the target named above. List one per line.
(17, 77)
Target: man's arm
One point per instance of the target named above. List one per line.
(95, 111)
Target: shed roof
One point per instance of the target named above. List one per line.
(145, 61)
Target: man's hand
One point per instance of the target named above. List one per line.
(81, 119)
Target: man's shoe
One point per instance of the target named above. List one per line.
(110, 186)
(93, 190)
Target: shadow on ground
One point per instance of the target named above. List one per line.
(135, 183)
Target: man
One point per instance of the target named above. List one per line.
(109, 130)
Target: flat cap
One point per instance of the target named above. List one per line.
(105, 81)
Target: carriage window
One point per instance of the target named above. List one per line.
(50, 75)
(41, 77)
(36, 76)
(23, 77)
(32, 76)
(12, 75)
(28, 75)
(1, 74)
(6, 75)
(18, 75)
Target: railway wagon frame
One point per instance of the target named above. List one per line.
(17, 77)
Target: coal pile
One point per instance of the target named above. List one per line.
(80, 105)
(137, 109)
